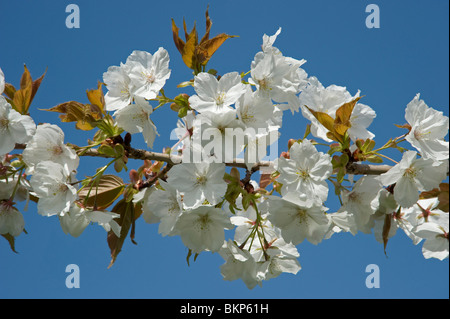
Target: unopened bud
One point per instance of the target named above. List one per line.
(285, 155)
(235, 173)
(175, 107)
(134, 176)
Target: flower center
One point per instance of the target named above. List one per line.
(418, 134)
(264, 84)
(57, 150)
(301, 216)
(410, 172)
(303, 174)
(149, 77)
(4, 122)
(201, 180)
(203, 222)
(220, 99)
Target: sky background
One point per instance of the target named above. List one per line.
(408, 54)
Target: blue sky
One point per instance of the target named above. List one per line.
(408, 54)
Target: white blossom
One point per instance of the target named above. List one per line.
(278, 78)
(163, 205)
(75, 221)
(412, 175)
(215, 96)
(253, 110)
(216, 139)
(239, 264)
(14, 127)
(51, 183)
(199, 182)
(135, 118)
(148, 73)
(202, 228)
(362, 201)
(436, 243)
(306, 171)
(119, 87)
(298, 218)
(328, 100)
(428, 129)
(11, 220)
(48, 145)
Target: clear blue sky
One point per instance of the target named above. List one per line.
(407, 55)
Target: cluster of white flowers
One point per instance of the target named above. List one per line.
(52, 166)
(140, 79)
(191, 202)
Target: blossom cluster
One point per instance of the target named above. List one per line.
(194, 200)
(52, 166)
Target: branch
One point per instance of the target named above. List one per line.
(354, 168)
(365, 169)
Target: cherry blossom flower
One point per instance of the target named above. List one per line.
(298, 218)
(135, 118)
(436, 243)
(257, 144)
(51, 183)
(306, 171)
(278, 78)
(275, 255)
(119, 87)
(148, 73)
(163, 205)
(428, 129)
(48, 145)
(412, 175)
(268, 42)
(14, 127)
(11, 220)
(199, 182)
(328, 100)
(7, 186)
(239, 264)
(202, 228)
(75, 221)
(215, 96)
(253, 110)
(362, 201)
(219, 139)
(277, 264)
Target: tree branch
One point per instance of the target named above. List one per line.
(353, 168)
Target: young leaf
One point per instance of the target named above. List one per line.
(96, 98)
(85, 117)
(324, 119)
(343, 115)
(103, 192)
(126, 211)
(206, 49)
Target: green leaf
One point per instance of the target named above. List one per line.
(101, 192)
(126, 211)
(374, 159)
(107, 150)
